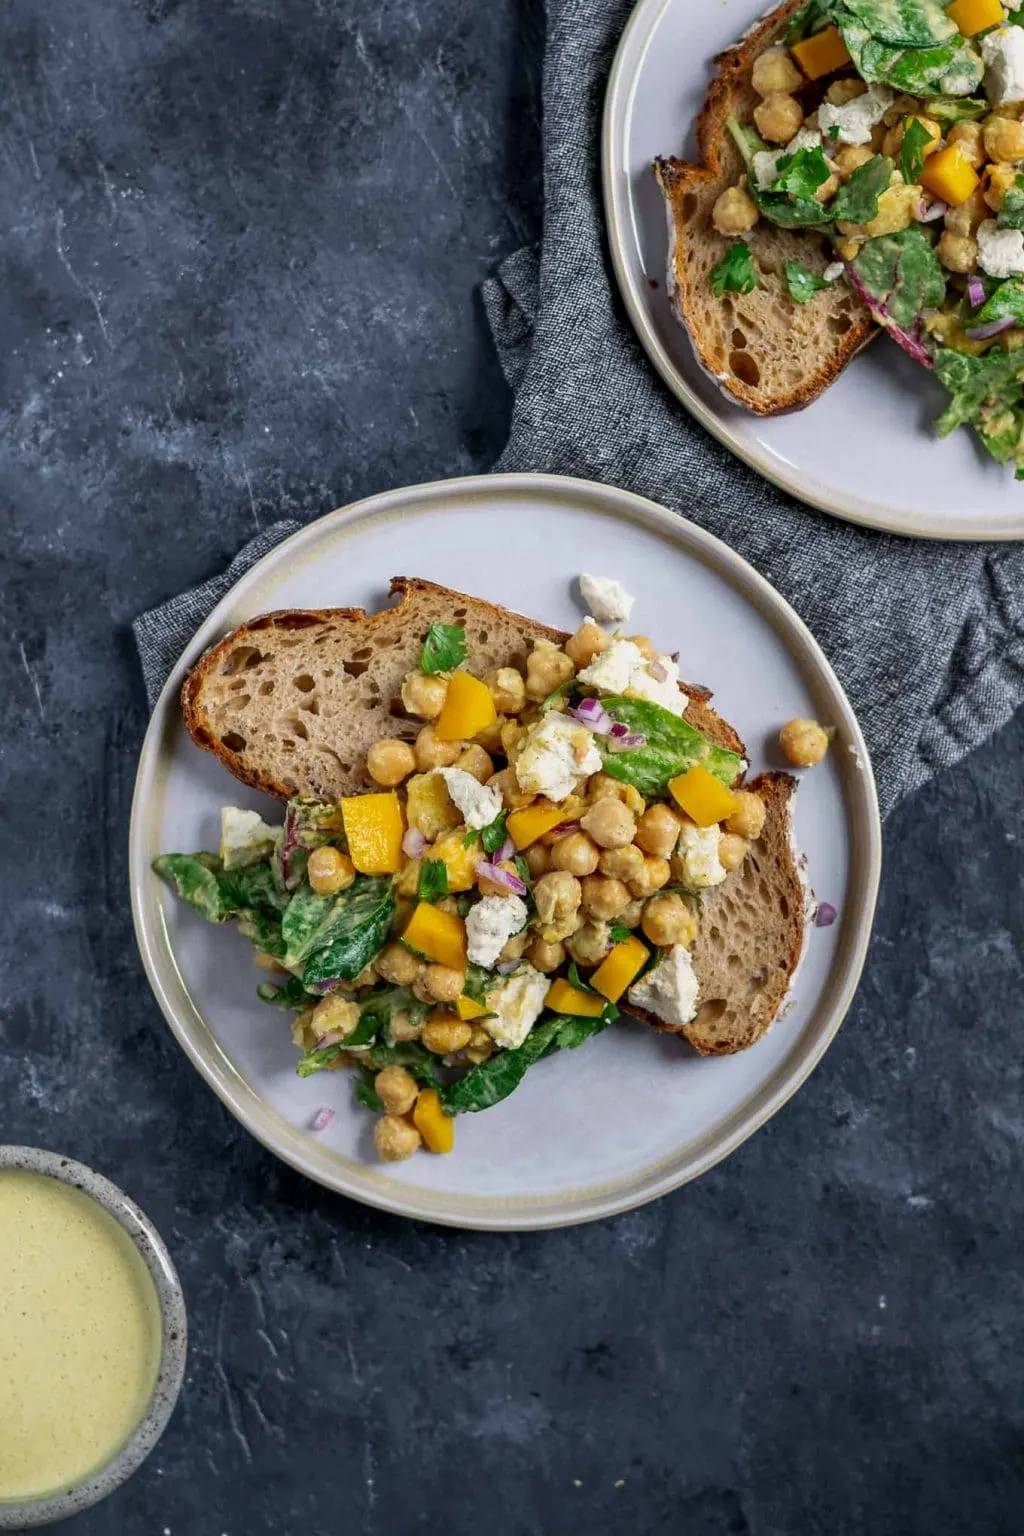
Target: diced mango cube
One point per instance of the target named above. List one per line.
(704, 798)
(436, 1128)
(822, 53)
(524, 827)
(563, 997)
(620, 967)
(374, 830)
(949, 175)
(467, 1009)
(440, 936)
(428, 806)
(974, 16)
(458, 860)
(468, 709)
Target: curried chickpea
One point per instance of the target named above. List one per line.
(514, 948)
(651, 878)
(778, 117)
(966, 216)
(431, 753)
(850, 158)
(804, 742)
(334, 1015)
(476, 761)
(396, 1088)
(658, 831)
(547, 668)
(631, 916)
(734, 212)
(423, 695)
(775, 71)
(604, 898)
(397, 965)
(668, 920)
(1000, 179)
(404, 1026)
(545, 957)
(841, 92)
(893, 140)
(610, 823)
(575, 853)
(958, 253)
(538, 860)
(1003, 138)
(330, 871)
(395, 1139)
(557, 897)
(732, 850)
(588, 641)
(589, 944)
(601, 786)
(443, 983)
(747, 820)
(390, 761)
(512, 797)
(508, 690)
(480, 1046)
(971, 139)
(443, 1033)
(621, 863)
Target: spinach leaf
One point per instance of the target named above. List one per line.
(572, 1032)
(351, 933)
(981, 388)
(747, 140)
(956, 109)
(857, 201)
(900, 279)
(736, 271)
(443, 649)
(1006, 302)
(308, 824)
(1011, 209)
(907, 23)
(810, 18)
(576, 980)
(303, 919)
(290, 994)
(672, 745)
(433, 884)
(415, 1058)
(801, 174)
(366, 1094)
(197, 879)
(916, 139)
(494, 1079)
(493, 835)
(263, 932)
(802, 283)
(790, 212)
(952, 68)
(316, 1060)
(258, 888)
(381, 1007)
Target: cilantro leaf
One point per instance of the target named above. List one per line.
(916, 139)
(444, 648)
(1006, 302)
(802, 173)
(736, 271)
(802, 283)
(367, 1095)
(493, 836)
(618, 933)
(433, 880)
(857, 201)
(1011, 209)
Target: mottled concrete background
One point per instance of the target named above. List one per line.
(240, 245)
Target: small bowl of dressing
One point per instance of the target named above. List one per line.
(92, 1337)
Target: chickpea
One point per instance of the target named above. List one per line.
(877, 138)
(588, 641)
(397, 1089)
(589, 944)
(389, 761)
(893, 141)
(1000, 179)
(621, 863)
(423, 695)
(431, 753)
(778, 117)
(575, 853)
(658, 830)
(732, 850)
(668, 920)
(734, 212)
(443, 983)
(480, 1046)
(302, 1032)
(476, 761)
(267, 962)
(601, 786)
(841, 92)
(514, 948)
(651, 878)
(775, 71)
(1003, 138)
(404, 1026)
(490, 737)
(896, 208)
(971, 139)
(512, 797)
(334, 1014)
(444, 1034)
(747, 820)
(604, 898)
(395, 1139)
(508, 690)
(609, 824)
(557, 897)
(850, 158)
(804, 742)
(547, 668)
(545, 957)
(397, 965)
(330, 871)
(630, 916)
(958, 253)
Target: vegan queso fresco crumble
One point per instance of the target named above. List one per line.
(534, 859)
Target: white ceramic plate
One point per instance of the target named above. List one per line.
(633, 1113)
(864, 449)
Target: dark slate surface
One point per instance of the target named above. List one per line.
(239, 253)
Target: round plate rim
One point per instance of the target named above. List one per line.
(295, 1147)
(622, 80)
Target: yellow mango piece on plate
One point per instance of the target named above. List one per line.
(468, 709)
(524, 827)
(974, 16)
(821, 54)
(458, 860)
(949, 176)
(619, 967)
(436, 1128)
(440, 936)
(703, 797)
(467, 1009)
(374, 830)
(563, 997)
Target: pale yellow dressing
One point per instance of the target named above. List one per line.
(79, 1335)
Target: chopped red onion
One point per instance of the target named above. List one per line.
(619, 730)
(333, 1037)
(504, 877)
(323, 1118)
(936, 211)
(629, 741)
(505, 852)
(976, 291)
(592, 713)
(414, 844)
(506, 967)
(825, 915)
(993, 328)
(658, 671)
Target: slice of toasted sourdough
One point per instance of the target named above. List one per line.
(765, 350)
(751, 936)
(292, 701)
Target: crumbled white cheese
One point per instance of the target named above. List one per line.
(1000, 251)
(766, 161)
(623, 668)
(606, 599)
(517, 1003)
(698, 850)
(556, 754)
(957, 85)
(478, 803)
(1003, 53)
(245, 837)
(490, 925)
(670, 990)
(855, 119)
(834, 271)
